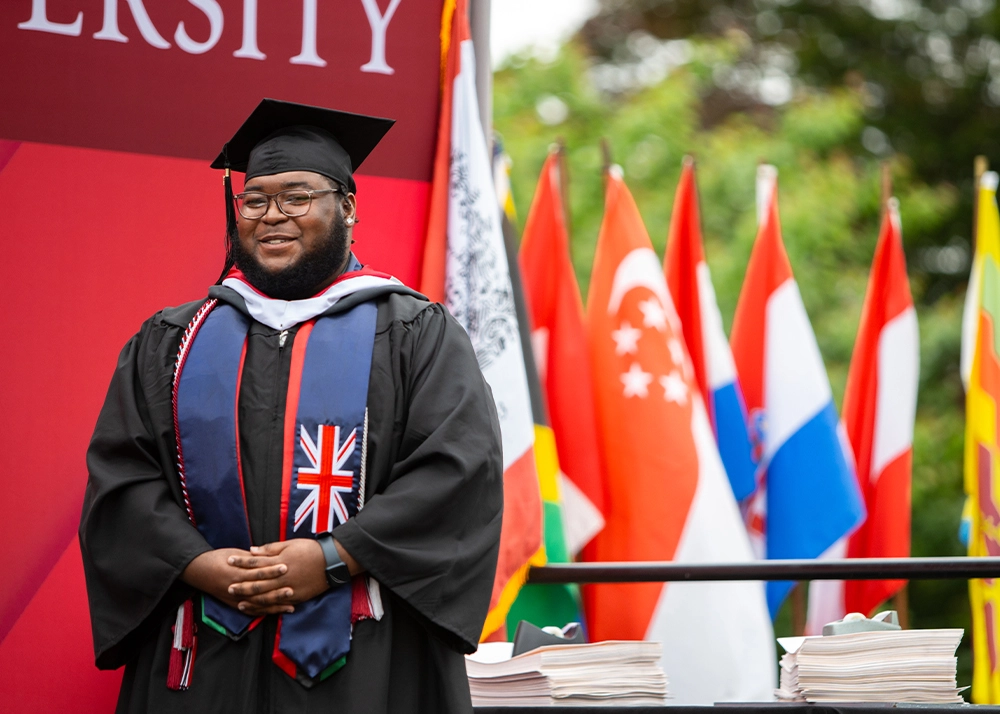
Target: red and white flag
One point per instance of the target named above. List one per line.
(880, 405)
(668, 495)
(465, 264)
(690, 284)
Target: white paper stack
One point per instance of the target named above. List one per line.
(898, 666)
(615, 673)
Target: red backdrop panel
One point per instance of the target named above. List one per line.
(47, 659)
(84, 269)
(92, 248)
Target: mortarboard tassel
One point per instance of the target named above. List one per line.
(231, 234)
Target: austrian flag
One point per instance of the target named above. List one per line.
(325, 478)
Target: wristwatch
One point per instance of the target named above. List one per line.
(337, 573)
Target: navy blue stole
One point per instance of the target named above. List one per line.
(324, 430)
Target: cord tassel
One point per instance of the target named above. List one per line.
(185, 645)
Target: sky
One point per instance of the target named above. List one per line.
(519, 24)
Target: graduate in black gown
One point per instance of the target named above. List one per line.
(427, 538)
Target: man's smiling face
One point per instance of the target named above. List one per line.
(295, 257)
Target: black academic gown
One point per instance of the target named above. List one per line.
(429, 532)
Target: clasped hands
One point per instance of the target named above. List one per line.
(266, 580)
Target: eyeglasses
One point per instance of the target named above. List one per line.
(292, 202)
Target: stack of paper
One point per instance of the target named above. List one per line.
(900, 666)
(613, 673)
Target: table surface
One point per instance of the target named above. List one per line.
(752, 708)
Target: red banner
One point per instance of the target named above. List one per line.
(111, 113)
(176, 77)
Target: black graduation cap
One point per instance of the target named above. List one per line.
(284, 136)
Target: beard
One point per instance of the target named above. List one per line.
(303, 278)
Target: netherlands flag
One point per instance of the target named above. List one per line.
(807, 497)
(691, 288)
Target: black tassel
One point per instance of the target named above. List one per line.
(231, 234)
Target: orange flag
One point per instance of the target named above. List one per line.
(432, 269)
(643, 384)
(561, 354)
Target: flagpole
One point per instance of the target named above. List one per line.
(479, 27)
(562, 163)
(886, 174)
(979, 166)
(799, 609)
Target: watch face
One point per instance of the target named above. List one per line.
(338, 575)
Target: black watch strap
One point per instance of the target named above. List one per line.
(337, 573)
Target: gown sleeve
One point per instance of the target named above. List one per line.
(135, 536)
(432, 534)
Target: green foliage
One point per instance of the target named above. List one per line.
(829, 202)
(927, 73)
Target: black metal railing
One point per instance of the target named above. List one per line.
(959, 568)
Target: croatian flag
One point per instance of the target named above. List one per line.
(807, 497)
(691, 288)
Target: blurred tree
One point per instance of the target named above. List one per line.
(829, 190)
(927, 73)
